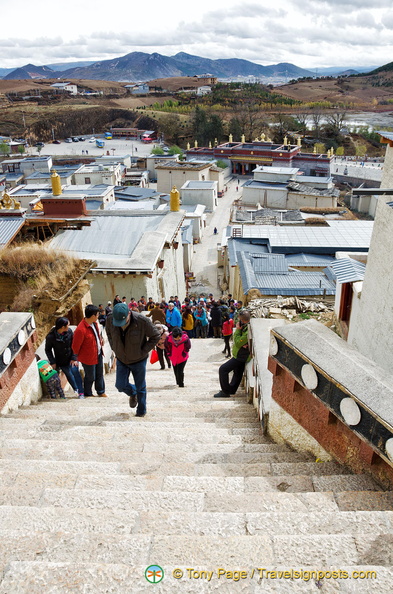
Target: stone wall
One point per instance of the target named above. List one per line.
(371, 325)
(339, 397)
(19, 379)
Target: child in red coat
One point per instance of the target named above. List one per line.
(177, 346)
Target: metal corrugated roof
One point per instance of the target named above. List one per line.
(281, 283)
(295, 283)
(9, 227)
(348, 270)
(108, 237)
(311, 260)
(269, 263)
(337, 236)
(388, 135)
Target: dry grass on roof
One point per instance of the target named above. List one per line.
(29, 261)
(43, 281)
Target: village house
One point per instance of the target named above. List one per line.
(135, 252)
(200, 192)
(65, 87)
(285, 188)
(99, 174)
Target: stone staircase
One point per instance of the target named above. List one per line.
(90, 496)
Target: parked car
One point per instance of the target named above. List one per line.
(75, 139)
(82, 138)
(68, 140)
(39, 144)
(92, 139)
(56, 142)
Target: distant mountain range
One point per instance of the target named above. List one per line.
(140, 66)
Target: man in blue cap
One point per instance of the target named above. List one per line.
(132, 336)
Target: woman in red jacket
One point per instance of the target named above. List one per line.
(177, 346)
(227, 329)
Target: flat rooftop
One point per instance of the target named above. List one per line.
(199, 185)
(277, 170)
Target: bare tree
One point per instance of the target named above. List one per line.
(336, 120)
(317, 116)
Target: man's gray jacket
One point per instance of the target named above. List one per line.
(135, 343)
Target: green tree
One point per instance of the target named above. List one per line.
(221, 164)
(157, 151)
(200, 126)
(214, 128)
(235, 129)
(170, 126)
(175, 150)
(21, 149)
(4, 148)
(340, 151)
(320, 147)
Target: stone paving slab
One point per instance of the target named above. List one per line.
(310, 468)
(345, 483)
(252, 458)
(60, 466)
(187, 523)
(212, 551)
(365, 500)
(270, 502)
(132, 500)
(28, 519)
(75, 547)
(317, 550)
(319, 522)
(375, 549)
(15, 496)
(207, 484)
(287, 484)
(120, 482)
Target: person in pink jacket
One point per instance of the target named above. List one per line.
(177, 346)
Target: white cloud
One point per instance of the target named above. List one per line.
(309, 34)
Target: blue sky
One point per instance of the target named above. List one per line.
(308, 33)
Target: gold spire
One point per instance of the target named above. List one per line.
(174, 200)
(56, 183)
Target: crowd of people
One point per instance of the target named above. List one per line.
(199, 317)
(135, 329)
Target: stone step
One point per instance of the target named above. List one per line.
(27, 480)
(30, 481)
(186, 451)
(62, 578)
(211, 550)
(110, 437)
(226, 501)
(25, 520)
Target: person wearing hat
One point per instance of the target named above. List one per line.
(132, 336)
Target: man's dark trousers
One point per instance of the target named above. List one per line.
(230, 387)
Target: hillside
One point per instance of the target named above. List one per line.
(364, 91)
